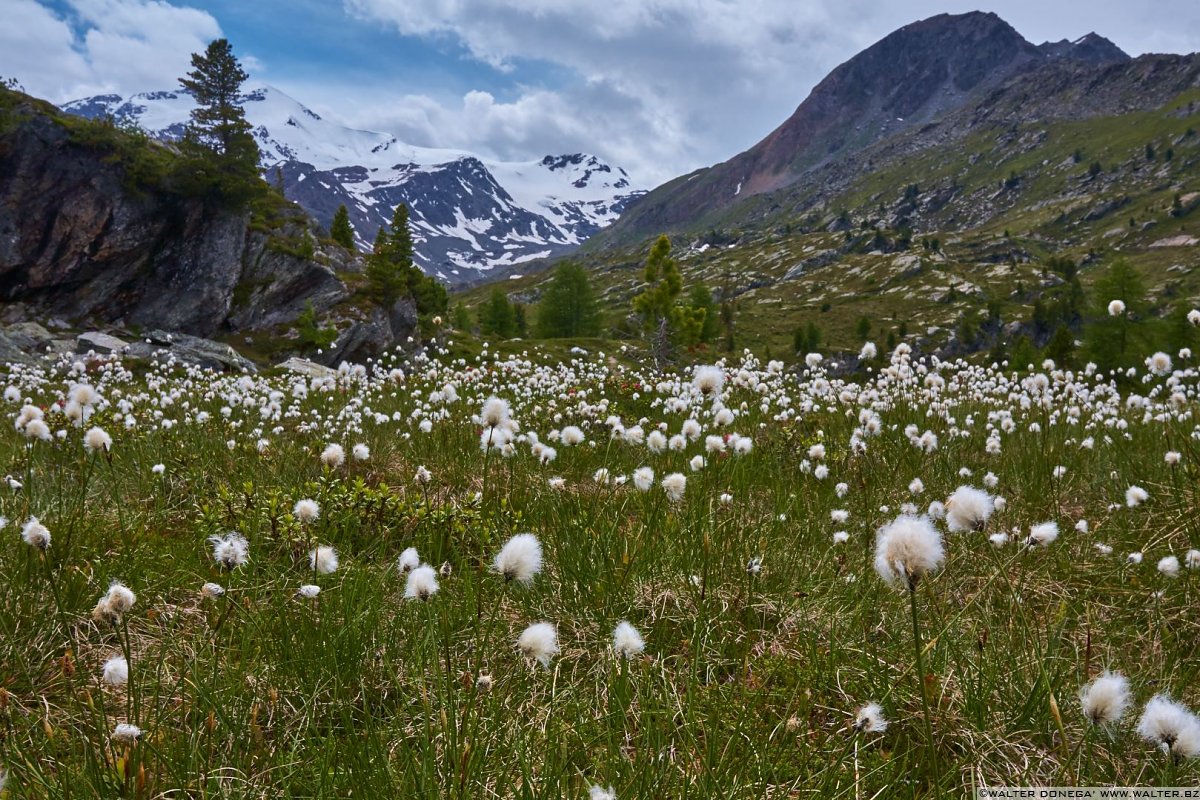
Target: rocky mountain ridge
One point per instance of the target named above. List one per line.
(469, 215)
(907, 81)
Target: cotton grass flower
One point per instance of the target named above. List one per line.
(230, 551)
(1043, 534)
(323, 559)
(495, 412)
(360, 452)
(408, 560)
(1169, 566)
(906, 550)
(35, 534)
(643, 479)
(96, 440)
(596, 792)
(1170, 726)
(212, 590)
(309, 591)
(333, 456)
(627, 641)
(708, 379)
(673, 485)
(1116, 308)
(540, 642)
(422, 583)
(968, 509)
(1135, 496)
(115, 603)
(306, 511)
(520, 559)
(1192, 559)
(116, 671)
(1105, 700)
(125, 733)
(870, 719)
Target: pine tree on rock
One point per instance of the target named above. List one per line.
(340, 229)
(218, 122)
(392, 275)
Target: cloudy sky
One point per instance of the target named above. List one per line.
(657, 86)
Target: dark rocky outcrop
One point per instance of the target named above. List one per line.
(80, 240)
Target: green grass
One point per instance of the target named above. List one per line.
(749, 682)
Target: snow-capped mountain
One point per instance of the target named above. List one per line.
(468, 214)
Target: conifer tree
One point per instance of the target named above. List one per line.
(218, 122)
(390, 261)
(568, 305)
(656, 305)
(340, 229)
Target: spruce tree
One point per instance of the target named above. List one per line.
(700, 300)
(568, 305)
(390, 262)
(498, 317)
(218, 122)
(340, 229)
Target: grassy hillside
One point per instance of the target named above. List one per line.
(998, 203)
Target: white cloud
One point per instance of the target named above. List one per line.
(102, 46)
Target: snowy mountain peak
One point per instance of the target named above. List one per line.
(469, 214)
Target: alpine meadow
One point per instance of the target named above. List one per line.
(403, 445)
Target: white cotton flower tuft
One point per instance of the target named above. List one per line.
(1043, 534)
(571, 436)
(306, 510)
(1081, 526)
(158, 469)
(1135, 496)
(1171, 726)
(97, 440)
(643, 479)
(841, 537)
(540, 642)
(408, 560)
(1105, 699)
(870, 719)
(1193, 316)
(674, 485)
(1103, 549)
(998, 539)
(1134, 557)
(116, 671)
(968, 509)
(309, 591)
(423, 476)
(1172, 458)
(115, 603)
(627, 641)
(520, 559)
(495, 412)
(360, 452)
(596, 792)
(1192, 559)
(1159, 364)
(1169, 566)
(35, 534)
(697, 463)
(211, 589)
(333, 456)
(323, 559)
(1116, 308)
(230, 551)
(422, 583)
(125, 733)
(708, 379)
(906, 550)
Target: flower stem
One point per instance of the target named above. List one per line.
(920, 660)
